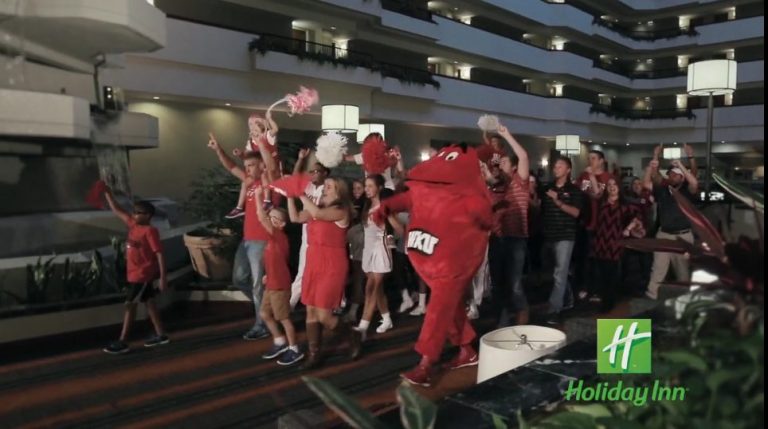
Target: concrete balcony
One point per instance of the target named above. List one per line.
(73, 34)
(40, 114)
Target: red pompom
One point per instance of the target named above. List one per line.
(375, 154)
(94, 196)
(291, 186)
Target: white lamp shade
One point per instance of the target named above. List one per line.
(343, 118)
(504, 349)
(716, 77)
(568, 144)
(364, 129)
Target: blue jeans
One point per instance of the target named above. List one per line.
(506, 258)
(561, 290)
(247, 273)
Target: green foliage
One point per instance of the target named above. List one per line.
(415, 411)
(38, 279)
(213, 195)
(346, 407)
(84, 281)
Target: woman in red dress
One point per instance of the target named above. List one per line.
(325, 274)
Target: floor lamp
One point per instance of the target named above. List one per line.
(710, 78)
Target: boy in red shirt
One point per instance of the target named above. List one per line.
(145, 264)
(275, 304)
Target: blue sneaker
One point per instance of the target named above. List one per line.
(256, 334)
(275, 351)
(290, 357)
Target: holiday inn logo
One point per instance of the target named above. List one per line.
(624, 346)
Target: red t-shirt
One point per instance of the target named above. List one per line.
(589, 211)
(514, 220)
(141, 247)
(252, 228)
(276, 261)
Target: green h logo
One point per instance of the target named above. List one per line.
(624, 346)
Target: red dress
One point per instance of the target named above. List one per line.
(325, 274)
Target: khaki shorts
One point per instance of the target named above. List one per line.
(276, 303)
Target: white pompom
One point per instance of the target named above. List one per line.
(488, 122)
(331, 148)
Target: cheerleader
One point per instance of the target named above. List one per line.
(327, 265)
(377, 259)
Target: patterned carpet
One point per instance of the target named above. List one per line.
(206, 377)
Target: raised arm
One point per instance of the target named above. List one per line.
(523, 164)
(693, 182)
(225, 161)
(260, 212)
(116, 209)
(301, 157)
(688, 149)
(272, 127)
(653, 167)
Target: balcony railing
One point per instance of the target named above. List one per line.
(641, 74)
(656, 34)
(618, 113)
(322, 53)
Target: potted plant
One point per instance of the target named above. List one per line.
(212, 248)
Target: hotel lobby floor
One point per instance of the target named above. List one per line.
(206, 377)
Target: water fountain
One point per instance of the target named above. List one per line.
(57, 137)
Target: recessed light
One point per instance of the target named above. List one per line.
(627, 144)
(589, 141)
(227, 104)
(722, 141)
(675, 143)
(333, 28)
(155, 98)
(605, 143)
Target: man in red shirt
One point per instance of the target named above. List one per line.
(248, 268)
(145, 264)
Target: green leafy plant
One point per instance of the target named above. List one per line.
(38, 279)
(213, 196)
(84, 281)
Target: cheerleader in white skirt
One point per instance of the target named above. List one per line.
(377, 260)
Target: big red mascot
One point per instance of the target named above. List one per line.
(450, 218)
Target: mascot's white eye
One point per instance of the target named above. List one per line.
(451, 156)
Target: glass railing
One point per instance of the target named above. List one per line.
(618, 113)
(322, 53)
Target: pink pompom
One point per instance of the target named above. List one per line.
(302, 101)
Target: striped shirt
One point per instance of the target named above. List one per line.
(559, 225)
(514, 219)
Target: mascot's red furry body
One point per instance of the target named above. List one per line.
(447, 236)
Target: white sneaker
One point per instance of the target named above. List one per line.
(407, 303)
(385, 326)
(418, 311)
(472, 312)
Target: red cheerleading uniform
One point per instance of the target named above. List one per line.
(325, 274)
